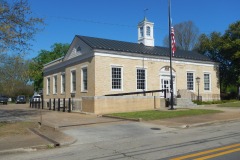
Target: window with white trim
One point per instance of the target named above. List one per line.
(84, 79)
(48, 85)
(116, 78)
(141, 79)
(206, 81)
(63, 81)
(55, 84)
(190, 81)
(148, 31)
(73, 81)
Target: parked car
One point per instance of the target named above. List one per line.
(3, 99)
(21, 99)
(36, 98)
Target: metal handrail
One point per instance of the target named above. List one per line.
(143, 92)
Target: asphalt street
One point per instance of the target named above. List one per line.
(141, 141)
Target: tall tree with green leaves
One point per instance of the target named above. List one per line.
(232, 49)
(36, 66)
(224, 49)
(17, 26)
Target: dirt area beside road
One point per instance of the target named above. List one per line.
(16, 128)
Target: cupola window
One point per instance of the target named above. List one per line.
(148, 31)
(141, 31)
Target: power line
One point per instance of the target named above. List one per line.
(98, 22)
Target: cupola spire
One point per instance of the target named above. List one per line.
(145, 32)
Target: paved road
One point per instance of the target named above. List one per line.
(141, 141)
(15, 113)
(228, 152)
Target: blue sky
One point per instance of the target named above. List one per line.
(118, 19)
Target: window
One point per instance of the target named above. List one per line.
(206, 81)
(116, 78)
(55, 84)
(141, 79)
(141, 31)
(63, 83)
(148, 31)
(73, 81)
(190, 81)
(48, 85)
(84, 79)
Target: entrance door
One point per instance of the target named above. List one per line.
(165, 84)
(165, 81)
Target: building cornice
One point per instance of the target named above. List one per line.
(137, 56)
(125, 55)
(66, 63)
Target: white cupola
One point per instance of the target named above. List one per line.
(145, 32)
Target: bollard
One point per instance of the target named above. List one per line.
(58, 104)
(69, 105)
(42, 103)
(54, 104)
(38, 103)
(63, 104)
(165, 93)
(50, 104)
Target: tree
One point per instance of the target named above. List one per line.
(186, 36)
(231, 49)
(36, 66)
(224, 49)
(14, 75)
(211, 46)
(17, 26)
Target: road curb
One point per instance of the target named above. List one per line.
(35, 148)
(26, 149)
(129, 119)
(17, 150)
(209, 123)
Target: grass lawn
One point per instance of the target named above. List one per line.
(232, 104)
(153, 115)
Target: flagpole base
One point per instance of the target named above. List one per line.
(171, 108)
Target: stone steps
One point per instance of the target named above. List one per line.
(184, 102)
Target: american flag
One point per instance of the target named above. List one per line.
(173, 43)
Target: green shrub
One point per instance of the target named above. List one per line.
(213, 102)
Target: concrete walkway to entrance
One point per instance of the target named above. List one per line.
(57, 119)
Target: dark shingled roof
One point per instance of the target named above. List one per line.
(113, 45)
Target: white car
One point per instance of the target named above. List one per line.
(36, 98)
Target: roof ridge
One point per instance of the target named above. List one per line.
(107, 39)
(133, 47)
(79, 36)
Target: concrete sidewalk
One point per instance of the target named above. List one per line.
(228, 114)
(50, 135)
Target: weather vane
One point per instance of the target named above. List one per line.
(145, 11)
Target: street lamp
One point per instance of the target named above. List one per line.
(198, 81)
